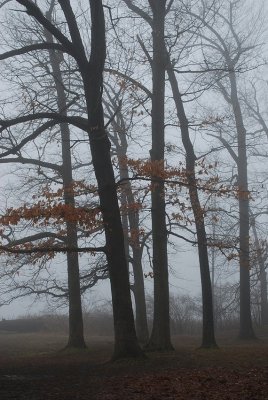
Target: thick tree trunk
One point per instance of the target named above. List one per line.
(131, 223)
(208, 337)
(139, 295)
(246, 328)
(160, 336)
(126, 344)
(76, 331)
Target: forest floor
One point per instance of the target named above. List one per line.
(32, 367)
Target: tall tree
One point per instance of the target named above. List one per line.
(232, 46)
(130, 217)
(262, 272)
(76, 334)
(160, 336)
(91, 71)
(208, 335)
(160, 63)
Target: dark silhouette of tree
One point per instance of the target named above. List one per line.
(160, 63)
(76, 335)
(91, 71)
(231, 46)
(160, 336)
(130, 214)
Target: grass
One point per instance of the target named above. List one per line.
(231, 351)
(185, 372)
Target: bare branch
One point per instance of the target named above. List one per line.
(194, 242)
(37, 236)
(73, 29)
(138, 11)
(129, 79)
(23, 160)
(79, 122)
(34, 11)
(32, 47)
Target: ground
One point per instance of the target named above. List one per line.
(33, 367)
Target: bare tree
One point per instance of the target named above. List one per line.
(230, 46)
(160, 336)
(91, 73)
(119, 133)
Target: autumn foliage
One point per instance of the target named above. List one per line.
(48, 209)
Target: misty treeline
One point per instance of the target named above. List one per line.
(185, 316)
(131, 130)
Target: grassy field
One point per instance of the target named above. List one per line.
(34, 367)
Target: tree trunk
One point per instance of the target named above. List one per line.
(262, 276)
(160, 336)
(76, 331)
(126, 344)
(264, 300)
(246, 328)
(208, 336)
(134, 226)
(131, 223)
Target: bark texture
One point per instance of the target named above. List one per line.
(126, 344)
(160, 336)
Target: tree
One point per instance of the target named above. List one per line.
(208, 336)
(160, 336)
(232, 46)
(160, 63)
(130, 208)
(260, 258)
(76, 338)
(91, 73)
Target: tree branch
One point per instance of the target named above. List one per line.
(37, 236)
(73, 29)
(79, 122)
(32, 47)
(194, 242)
(55, 249)
(139, 11)
(129, 79)
(23, 160)
(29, 138)
(34, 11)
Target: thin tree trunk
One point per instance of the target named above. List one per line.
(130, 220)
(76, 331)
(208, 336)
(246, 328)
(138, 286)
(262, 276)
(160, 336)
(264, 302)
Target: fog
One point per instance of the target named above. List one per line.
(216, 128)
